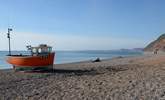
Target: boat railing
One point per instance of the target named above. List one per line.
(19, 55)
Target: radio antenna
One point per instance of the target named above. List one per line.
(8, 36)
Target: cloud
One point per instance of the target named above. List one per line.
(69, 42)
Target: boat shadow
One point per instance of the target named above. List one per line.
(76, 72)
(80, 72)
(69, 72)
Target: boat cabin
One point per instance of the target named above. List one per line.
(42, 49)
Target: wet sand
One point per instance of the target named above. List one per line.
(129, 78)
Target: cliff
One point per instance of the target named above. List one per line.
(158, 44)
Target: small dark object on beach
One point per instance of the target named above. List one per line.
(156, 51)
(97, 60)
(119, 57)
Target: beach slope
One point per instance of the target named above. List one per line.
(128, 78)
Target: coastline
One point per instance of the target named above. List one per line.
(138, 77)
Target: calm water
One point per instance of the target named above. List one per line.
(75, 56)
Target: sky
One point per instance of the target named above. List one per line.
(81, 24)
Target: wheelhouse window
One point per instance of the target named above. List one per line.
(34, 50)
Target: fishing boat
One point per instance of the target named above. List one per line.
(40, 57)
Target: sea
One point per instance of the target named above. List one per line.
(62, 57)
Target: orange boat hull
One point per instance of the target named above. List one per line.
(31, 61)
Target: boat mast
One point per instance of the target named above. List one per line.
(8, 36)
